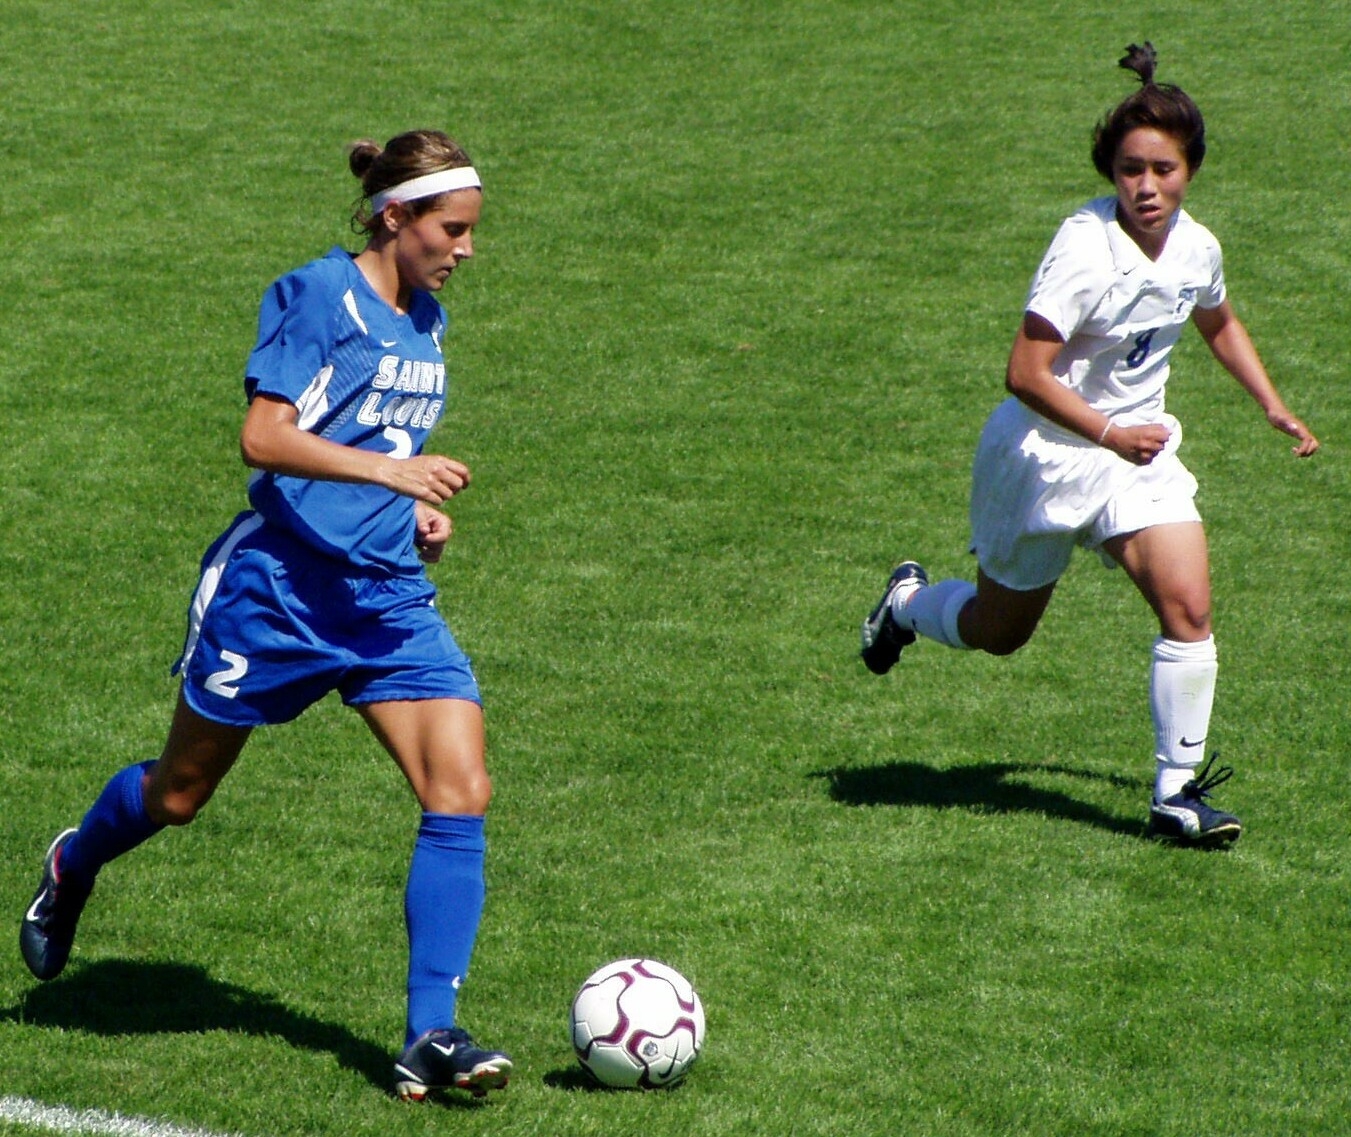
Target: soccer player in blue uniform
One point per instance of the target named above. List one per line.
(1083, 452)
(320, 586)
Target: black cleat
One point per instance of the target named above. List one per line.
(448, 1059)
(48, 928)
(1186, 817)
(883, 638)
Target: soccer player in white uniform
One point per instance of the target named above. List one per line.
(320, 587)
(1084, 453)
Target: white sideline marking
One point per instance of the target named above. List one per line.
(93, 1122)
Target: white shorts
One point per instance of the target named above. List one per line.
(1038, 491)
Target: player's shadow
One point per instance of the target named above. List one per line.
(990, 788)
(116, 997)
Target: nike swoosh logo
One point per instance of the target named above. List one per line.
(388, 343)
(32, 915)
(1185, 742)
(446, 1051)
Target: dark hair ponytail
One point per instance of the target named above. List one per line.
(1161, 106)
(1142, 59)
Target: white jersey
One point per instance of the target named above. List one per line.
(1120, 313)
(1039, 490)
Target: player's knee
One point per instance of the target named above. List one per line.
(1001, 621)
(1187, 620)
(1005, 641)
(477, 794)
(174, 807)
(468, 795)
(1002, 637)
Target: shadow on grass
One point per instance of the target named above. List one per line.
(574, 1079)
(991, 788)
(117, 997)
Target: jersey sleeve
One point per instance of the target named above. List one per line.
(1070, 281)
(295, 338)
(1212, 296)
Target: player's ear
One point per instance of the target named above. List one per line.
(394, 217)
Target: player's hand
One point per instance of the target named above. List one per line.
(433, 531)
(1137, 444)
(432, 478)
(1284, 421)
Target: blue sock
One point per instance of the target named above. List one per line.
(115, 824)
(442, 907)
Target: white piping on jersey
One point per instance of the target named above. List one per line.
(350, 303)
(313, 402)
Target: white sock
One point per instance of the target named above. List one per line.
(1181, 695)
(932, 611)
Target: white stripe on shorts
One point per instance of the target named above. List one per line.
(206, 587)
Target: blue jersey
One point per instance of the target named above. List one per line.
(359, 374)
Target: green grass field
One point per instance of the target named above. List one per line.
(745, 285)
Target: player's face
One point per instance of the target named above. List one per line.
(1151, 175)
(429, 247)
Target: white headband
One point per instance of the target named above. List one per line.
(429, 185)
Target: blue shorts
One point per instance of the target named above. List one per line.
(274, 626)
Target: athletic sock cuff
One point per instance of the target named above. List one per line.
(952, 610)
(1179, 651)
(133, 796)
(461, 831)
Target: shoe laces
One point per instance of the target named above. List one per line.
(1204, 781)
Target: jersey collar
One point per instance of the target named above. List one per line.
(1127, 256)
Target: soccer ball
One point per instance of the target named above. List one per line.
(637, 1023)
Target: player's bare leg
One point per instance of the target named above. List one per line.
(986, 616)
(1170, 566)
(1000, 620)
(439, 746)
(135, 804)
(197, 755)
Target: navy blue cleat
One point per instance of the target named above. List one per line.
(449, 1059)
(1186, 817)
(883, 638)
(48, 928)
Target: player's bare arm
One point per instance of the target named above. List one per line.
(1230, 343)
(270, 440)
(1030, 378)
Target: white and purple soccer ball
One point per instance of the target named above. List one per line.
(637, 1023)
